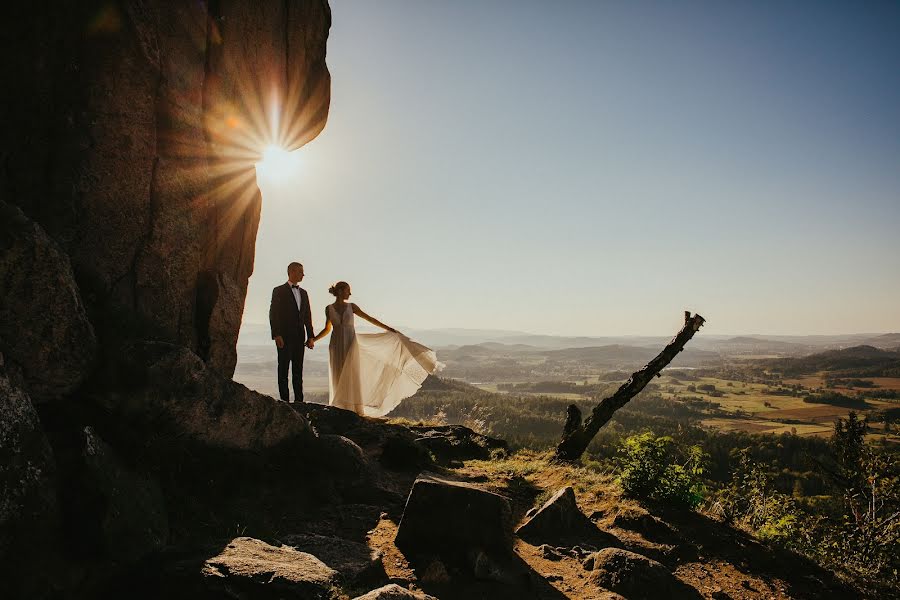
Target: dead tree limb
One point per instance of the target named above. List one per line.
(575, 442)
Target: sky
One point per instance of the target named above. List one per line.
(596, 168)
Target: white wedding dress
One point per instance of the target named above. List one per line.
(370, 373)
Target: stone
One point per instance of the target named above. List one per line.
(453, 521)
(353, 560)
(636, 577)
(456, 442)
(44, 329)
(549, 552)
(251, 567)
(127, 142)
(560, 522)
(435, 573)
(174, 389)
(394, 592)
(645, 524)
(29, 512)
(133, 521)
(403, 453)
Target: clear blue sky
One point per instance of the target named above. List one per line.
(597, 167)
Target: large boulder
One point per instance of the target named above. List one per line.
(394, 592)
(456, 522)
(355, 562)
(131, 513)
(560, 521)
(44, 329)
(131, 139)
(172, 389)
(29, 513)
(456, 442)
(250, 568)
(636, 577)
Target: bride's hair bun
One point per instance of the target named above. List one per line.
(333, 290)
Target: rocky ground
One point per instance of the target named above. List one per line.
(186, 484)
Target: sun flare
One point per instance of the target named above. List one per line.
(278, 164)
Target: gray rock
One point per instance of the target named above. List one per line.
(456, 442)
(453, 520)
(353, 560)
(126, 142)
(549, 552)
(44, 329)
(29, 514)
(645, 524)
(560, 522)
(172, 387)
(252, 567)
(636, 577)
(133, 521)
(394, 592)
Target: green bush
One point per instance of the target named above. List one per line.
(655, 468)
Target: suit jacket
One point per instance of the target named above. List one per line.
(286, 319)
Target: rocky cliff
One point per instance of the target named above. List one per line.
(130, 135)
(128, 220)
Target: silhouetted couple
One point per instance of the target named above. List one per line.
(369, 373)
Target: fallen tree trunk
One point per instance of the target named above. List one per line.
(574, 443)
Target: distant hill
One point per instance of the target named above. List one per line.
(886, 341)
(618, 356)
(860, 361)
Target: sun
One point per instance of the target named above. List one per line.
(278, 164)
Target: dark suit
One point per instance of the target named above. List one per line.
(294, 325)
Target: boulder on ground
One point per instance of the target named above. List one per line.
(250, 568)
(647, 525)
(456, 442)
(131, 511)
(353, 560)
(453, 521)
(29, 513)
(636, 577)
(560, 522)
(44, 329)
(174, 389)
(394, 592)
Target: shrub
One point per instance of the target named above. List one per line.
(655, 468)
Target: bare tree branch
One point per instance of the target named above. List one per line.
(574, 443)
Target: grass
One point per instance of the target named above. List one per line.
(594, 485)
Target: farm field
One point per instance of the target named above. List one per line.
(763, 408)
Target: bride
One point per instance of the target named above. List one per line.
(370, 373)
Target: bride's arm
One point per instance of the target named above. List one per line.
(360, 313)
(325, 330)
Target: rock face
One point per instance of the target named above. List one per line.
(130, 139)
(453, 521)
(253, 569)
(44, 329)
(560, 521)
(171, 388)
(394, 592)
(28, 504)
(354, 561)
(132, 519)
(636, 577)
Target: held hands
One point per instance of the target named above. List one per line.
(310, 343)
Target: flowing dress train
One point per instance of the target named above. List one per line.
(370, 373)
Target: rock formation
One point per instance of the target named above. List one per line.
(128, 219)
(131, 133)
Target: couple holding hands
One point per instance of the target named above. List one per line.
(369, 373)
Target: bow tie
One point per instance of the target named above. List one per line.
(296, 287)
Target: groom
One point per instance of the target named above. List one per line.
(291, 321)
